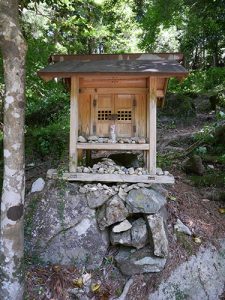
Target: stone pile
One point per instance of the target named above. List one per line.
(135, 216)
(96, 139)
(95, 192)
(108, 166)
(70, 224)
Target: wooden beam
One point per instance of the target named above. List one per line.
(90, 177)
(109, 146)
(113, 90)
(160, 93)
(63, 74)
(73, 123)
(152, 106)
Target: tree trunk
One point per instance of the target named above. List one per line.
(13, 49)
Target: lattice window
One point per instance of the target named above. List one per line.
(104, 114)
(124, 115)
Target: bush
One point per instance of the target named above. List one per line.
(52, 140)
(200, 81)
(179, 106)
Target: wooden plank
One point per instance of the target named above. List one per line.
(73, 123)
(160, 83)
(88, 177)
(152, 125)
(160, 93)
(68, 74)
(147, 124)
(86, 82)
(92, 120)
(113, 76)
(84, 105)
(124, 103)
(140, 115)
(109, 146)
(104, 107)
(112, 90)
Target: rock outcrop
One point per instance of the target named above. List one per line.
(63, 228)
(194, 165)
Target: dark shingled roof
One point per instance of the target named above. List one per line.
(167, 68)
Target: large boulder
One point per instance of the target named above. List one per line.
(61, 227)
(132, 262)
(146, 201)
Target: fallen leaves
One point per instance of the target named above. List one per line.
(95, 287)
(172, 198)
(221, 210)
(78, 282)
(197, 240)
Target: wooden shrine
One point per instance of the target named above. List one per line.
(123, 90)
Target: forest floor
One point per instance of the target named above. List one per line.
(187, 201)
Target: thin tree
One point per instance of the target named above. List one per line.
(13, 48)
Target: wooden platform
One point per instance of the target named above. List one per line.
(110, 146)
(90, 177)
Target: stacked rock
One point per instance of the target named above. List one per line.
(135, 216)
(108, 166)
(96, 139)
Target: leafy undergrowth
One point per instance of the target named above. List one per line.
(210, 179)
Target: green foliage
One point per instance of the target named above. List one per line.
(51, 140)
(47, 106)
(83, 27)
(179, 105)
(44, 100)
(206, 134)
(201, 81)
(165, 161)
(210, 179)
(66, 27)
(199, 26)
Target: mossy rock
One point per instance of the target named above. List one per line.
(193, 165)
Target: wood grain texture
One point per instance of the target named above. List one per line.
(108, 146)
(84, 105)
(72, 176)
(73, 123)
(152, 125)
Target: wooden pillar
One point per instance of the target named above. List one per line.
(73, 123)
(152, 107)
